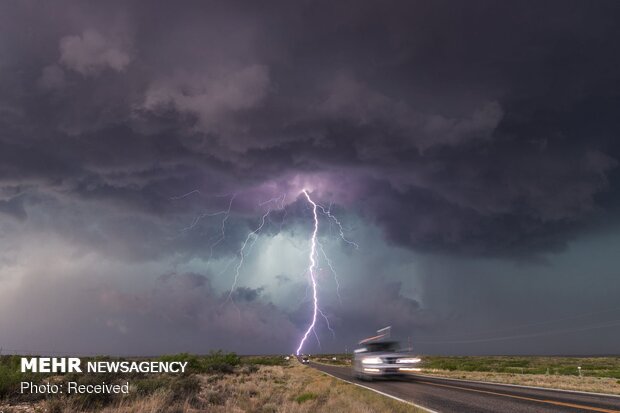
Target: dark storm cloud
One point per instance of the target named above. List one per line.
(246, 294)
(188, 304)
(172, 313)
(472, 134)
(459, 127)
(388, 306)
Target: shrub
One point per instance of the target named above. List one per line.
(11, 377)
(184, 388)
(54, 406)
(304, 397)
(266, 361)
(220, 362)
(216, 397)
(9, 380)
(90, 401)
(214, 362)
(269, 408)
(149, 386)
(193, 362)
(249, 369)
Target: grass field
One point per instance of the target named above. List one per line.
(597, 374)
(333, 359)
(217, 383)
(565, 366)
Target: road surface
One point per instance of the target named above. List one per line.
(446, 396)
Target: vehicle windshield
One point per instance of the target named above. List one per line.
(386, 346)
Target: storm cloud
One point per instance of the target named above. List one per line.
(479, 131)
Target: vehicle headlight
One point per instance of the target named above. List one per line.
(409, 360)
(372, 360)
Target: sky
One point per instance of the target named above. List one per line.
(467, 154)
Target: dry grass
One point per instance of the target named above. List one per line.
(554, 365)
(554, 381)
(290, 388)
(600, 374)
(297, 389)
(341, 359)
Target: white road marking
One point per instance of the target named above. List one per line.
(382, 393)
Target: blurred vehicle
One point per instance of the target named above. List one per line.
(305, 359)
(383, 359)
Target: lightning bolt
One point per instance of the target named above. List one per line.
(315, 298)
(251, 238)
(198, 218)
(329, 327)
(317, 246)
(223, 228)
(328, 213)
(278, 203)
(176, 198)
(333, 271)
(253, 235)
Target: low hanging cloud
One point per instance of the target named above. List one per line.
(187, 303)
(90, 52)
(14, 208)
(212, 100)
(350, 99)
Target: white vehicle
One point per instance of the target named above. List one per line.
(305, 360)
(383, 359)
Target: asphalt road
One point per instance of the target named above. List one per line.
(444, 395)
